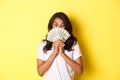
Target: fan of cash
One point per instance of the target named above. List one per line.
(58, 33)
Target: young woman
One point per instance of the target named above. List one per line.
(59, 60)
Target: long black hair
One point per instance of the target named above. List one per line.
(68, 26)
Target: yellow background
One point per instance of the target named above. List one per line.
(96, 24)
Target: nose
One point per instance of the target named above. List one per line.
(59, 26)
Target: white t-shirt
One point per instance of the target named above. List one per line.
(59, 70)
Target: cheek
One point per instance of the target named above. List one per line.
(53, 26)
(62, 27)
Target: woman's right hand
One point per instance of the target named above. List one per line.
(56, 45)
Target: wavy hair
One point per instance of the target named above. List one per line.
(68, 26)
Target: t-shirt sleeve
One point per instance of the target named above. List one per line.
(77, 52)
(41, 53)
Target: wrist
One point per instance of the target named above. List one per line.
(54, 52)
(62, 54)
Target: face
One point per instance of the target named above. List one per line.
(58, 23)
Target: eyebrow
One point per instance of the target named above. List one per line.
(56, 22)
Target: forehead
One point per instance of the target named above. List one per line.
(58, 20)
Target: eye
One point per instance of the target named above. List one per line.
(55, 24)
(62, 26)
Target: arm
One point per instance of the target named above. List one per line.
(43, 66)
(75, 65)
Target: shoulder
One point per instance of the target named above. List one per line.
(75, 45)
(42, 43)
